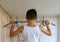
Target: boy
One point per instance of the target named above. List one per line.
(30, 32)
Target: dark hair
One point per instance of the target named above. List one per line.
(31, 14)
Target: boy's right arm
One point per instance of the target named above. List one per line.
(14, 33)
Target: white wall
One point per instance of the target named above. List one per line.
(43, 7)
(59, 27)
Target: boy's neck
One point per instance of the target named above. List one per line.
(31, 24)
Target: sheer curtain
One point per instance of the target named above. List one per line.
(4, 31)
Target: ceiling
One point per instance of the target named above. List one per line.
(43, 7)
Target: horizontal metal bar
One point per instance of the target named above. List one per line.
(26, 21)
(20, 22)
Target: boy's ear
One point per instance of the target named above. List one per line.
(26, 18)
(36, 18)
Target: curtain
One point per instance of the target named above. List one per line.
(4, 31)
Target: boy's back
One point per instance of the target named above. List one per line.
(31, 34)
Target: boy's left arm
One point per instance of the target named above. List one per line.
(48, 31)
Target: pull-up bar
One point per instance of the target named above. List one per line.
(20, 22)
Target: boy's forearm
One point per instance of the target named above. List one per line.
(14, 33)
(48, 29)
(11, 30)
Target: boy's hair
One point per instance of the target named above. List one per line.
(31, 14)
